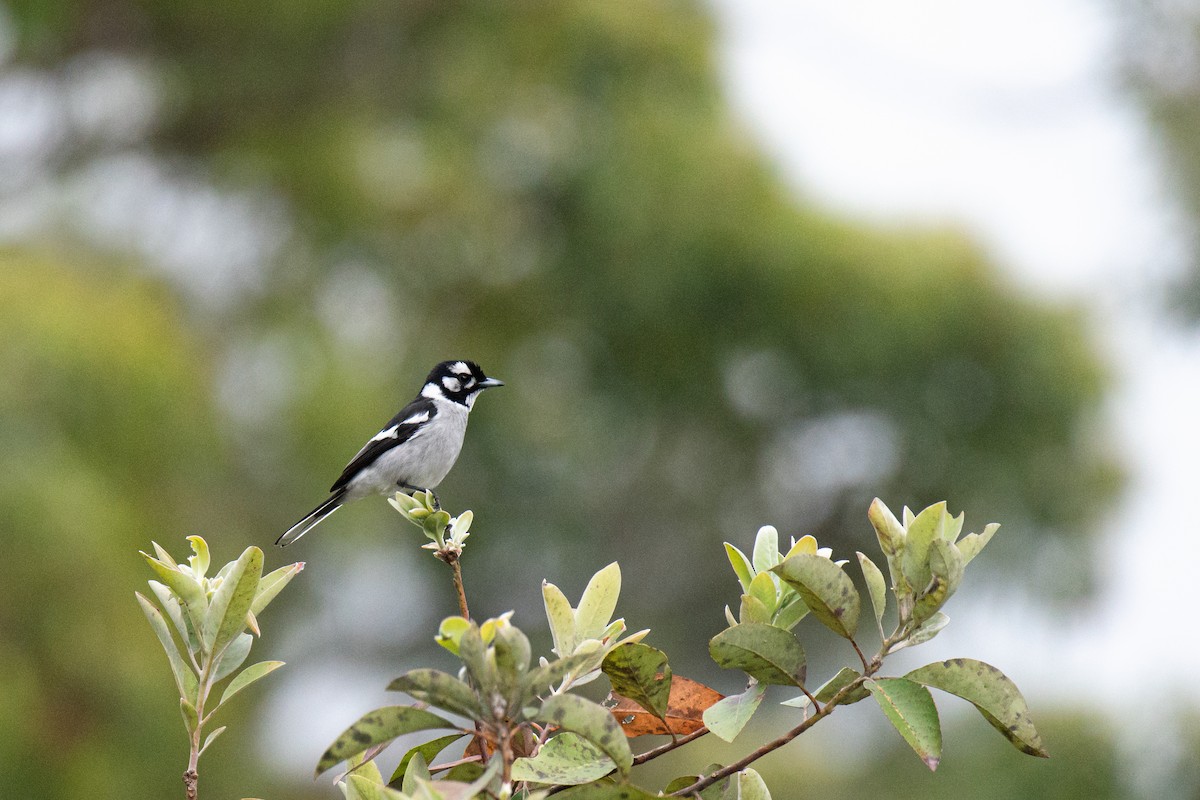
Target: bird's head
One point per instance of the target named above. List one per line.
(458, 381)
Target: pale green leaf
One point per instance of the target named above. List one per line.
(199, 561)
(888, 529)
(440, 690)
(565, 760)
(925, 631)
(909, 707)
(762, 588)
(174, 611)
(379, 726)
(191, 719)
(990, 691)
(361, 787)
(272, 584)
(641, 673)
(561, 617)
(971, 544)
(415, 772)
(226, 615)
(248, 676)
(233, 657)
(769, 654)
(598, 603)
(751, 786)
(927, 526)
(726, 718)
(876, 588)
(826, 589)
(185, 678)
(752, 610)
(591, 721)
(791, 611)
(211, 738)
(186, 588)
(428, 750)
(766, 548)
(741, 566)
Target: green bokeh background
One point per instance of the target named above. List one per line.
(267, 221)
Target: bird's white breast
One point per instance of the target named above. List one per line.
(423, 460)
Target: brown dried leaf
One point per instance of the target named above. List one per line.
(685, 710)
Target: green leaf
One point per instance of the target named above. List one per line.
(450, 632)
(826, 589)
(762, 588)
(364, 788)
(541, 678)
(953, 526)
(750, 786)
(971, 544)
(185, 678)
(927, 526)
(876, 587)
(379, 726)
(591, 721)
(909, 707)
(598, 603)
(726, 718)
(416, 771)
(439, 689)
(226, 616)
(770, 654)
(272, 584)
(790, 612)
(888, 529)
(990, 691)
(946, 572)
(752, 610)
(512, 653)
(191, 719)
(766, 548)
(248, 676)
(428, 750)
(174, 612)
(925, 631)
(233, 657)
(561, 617)
(199, 561)
(473, 653)
(605, 790)
(185, 587)
(741, 566)
(566, 760)
(841, 680)
(211, 738)
(641, 673)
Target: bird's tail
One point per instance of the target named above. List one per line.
(312, 518)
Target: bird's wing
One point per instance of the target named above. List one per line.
(398, 430)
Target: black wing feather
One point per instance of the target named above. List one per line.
(377, 447)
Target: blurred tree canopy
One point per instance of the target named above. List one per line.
(1162, 64)
(239, 235)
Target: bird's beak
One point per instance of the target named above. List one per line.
(488, 383)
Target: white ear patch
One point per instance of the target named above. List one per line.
(452, 384)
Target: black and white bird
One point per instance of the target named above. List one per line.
(416, 448)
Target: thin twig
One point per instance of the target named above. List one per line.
(642, 758)
(436, 768)
(451, 556)
(775, 744)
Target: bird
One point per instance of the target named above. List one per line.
(415, 449)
